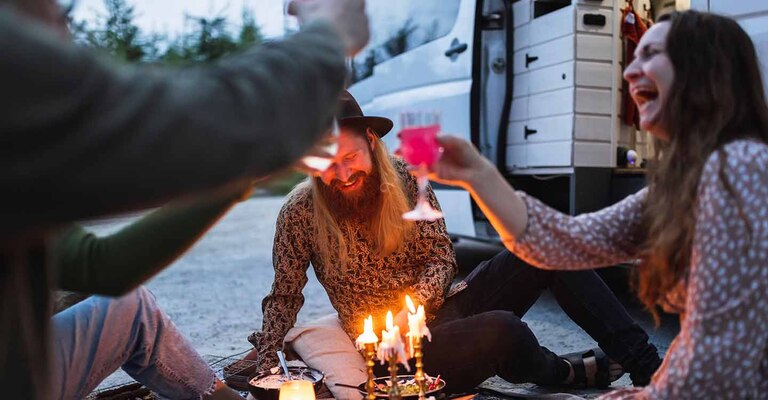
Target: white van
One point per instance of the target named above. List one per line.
(535, 84)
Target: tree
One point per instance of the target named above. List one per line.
(398, 41)
(250, 34)
(210, 38)
(117, 34)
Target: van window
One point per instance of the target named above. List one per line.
(401, 25)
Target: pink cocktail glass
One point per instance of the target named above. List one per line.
(419, 148)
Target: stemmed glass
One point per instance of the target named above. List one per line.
(419, 148)
(322, 154)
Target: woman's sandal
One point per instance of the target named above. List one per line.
(601, 378)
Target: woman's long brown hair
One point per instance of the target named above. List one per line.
(717, 96)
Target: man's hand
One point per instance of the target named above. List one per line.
(347, 17)
(401, 320)
(460, 163)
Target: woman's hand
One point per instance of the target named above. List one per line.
(460, 165)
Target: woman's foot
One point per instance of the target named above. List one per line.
(592, 368)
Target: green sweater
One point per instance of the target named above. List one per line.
(115, 264)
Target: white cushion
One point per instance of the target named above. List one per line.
(325, 346)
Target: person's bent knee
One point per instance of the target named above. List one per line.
(143, 295)
(502, 328)
(139, 300)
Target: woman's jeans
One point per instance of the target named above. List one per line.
(478, 332)
(99, 335)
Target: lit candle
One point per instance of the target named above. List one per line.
(297, 390)
(417, 328)
(417, 323)
(392, 345)
(367, 337)
(367, 343)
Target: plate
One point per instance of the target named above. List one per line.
(437, 392)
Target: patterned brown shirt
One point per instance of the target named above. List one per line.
(423, 267)
(722, 348)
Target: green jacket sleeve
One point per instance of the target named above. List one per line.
(115, 264)
(81, 136)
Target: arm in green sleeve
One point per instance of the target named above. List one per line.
(115, 264)
(81, 136)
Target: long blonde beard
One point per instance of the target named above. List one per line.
(387, 229)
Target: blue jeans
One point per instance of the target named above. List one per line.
(94, 338)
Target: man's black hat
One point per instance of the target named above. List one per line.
(350, 115)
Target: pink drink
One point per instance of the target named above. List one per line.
(419, 146)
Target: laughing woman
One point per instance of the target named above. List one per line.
(700, 229)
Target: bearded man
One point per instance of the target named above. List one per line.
(348, 224)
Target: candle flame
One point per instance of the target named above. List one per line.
(410, 305)
(390, 320)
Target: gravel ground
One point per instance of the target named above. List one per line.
(213, 293)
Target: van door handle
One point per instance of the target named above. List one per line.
(528, 132)
(529, 59)
(455, 49)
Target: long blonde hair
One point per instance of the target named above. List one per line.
(388, 231)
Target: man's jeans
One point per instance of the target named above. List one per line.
(478, 332)
(99, 335)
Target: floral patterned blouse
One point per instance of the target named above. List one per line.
(722, 348)
(370, 284)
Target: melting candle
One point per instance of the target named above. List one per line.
(417, 323)
(367, 337)
(392, 345)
